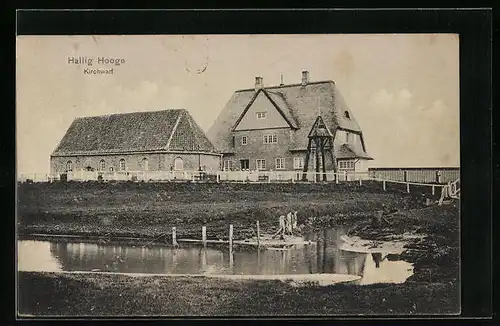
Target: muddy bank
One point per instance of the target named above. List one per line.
(106, 295)
(151, 209)
(435, 255)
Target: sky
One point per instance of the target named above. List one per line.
(403, 89)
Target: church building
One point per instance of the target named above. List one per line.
(167, 140)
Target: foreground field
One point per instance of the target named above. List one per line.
(151, 209)
(105, 295)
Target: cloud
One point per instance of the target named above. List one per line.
(402, 132)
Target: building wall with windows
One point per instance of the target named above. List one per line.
(135, 162)
(253, 145)
(265, 144)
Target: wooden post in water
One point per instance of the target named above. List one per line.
(258, 234)
(231, 261)
(433, 190)
(383, 184)
(230, 236)
(204, 235)
(360, 181)
(407, 187)
(174, 236)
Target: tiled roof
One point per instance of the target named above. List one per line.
(166, 130)
(301, 103)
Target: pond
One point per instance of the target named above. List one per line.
(323, 257)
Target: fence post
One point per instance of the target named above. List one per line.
(204, 235)
(405, 175)
(174, 236)
(383, 184)
(407, 187)
(336, 176)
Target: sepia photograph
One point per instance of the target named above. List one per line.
(238, 175)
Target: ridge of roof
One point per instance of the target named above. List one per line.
(286, 86)
(127, 113)
(167, 147)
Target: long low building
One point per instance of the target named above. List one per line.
(167, 140)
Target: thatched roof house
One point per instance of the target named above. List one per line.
(289, 111)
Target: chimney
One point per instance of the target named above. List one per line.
(305, 77)
(258, 83)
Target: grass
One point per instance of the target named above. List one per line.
(149, 209)
(118, 295)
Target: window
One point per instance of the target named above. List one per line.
(261, 164)
(102, 165)
(145, 165)
(346, 165)
(270, 139)
(261, 115)
(346, 114)
(244, 140)
(69, 166)
(178, 164)
(228, 165)
(280, 163)
(347, 137)
(122, 164)
(298, 162)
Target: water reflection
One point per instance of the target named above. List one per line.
(325, 257)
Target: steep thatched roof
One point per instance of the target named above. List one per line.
(300, 104)
(166, 130)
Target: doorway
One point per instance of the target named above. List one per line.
(245, 164)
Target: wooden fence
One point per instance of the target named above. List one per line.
(422, 175)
